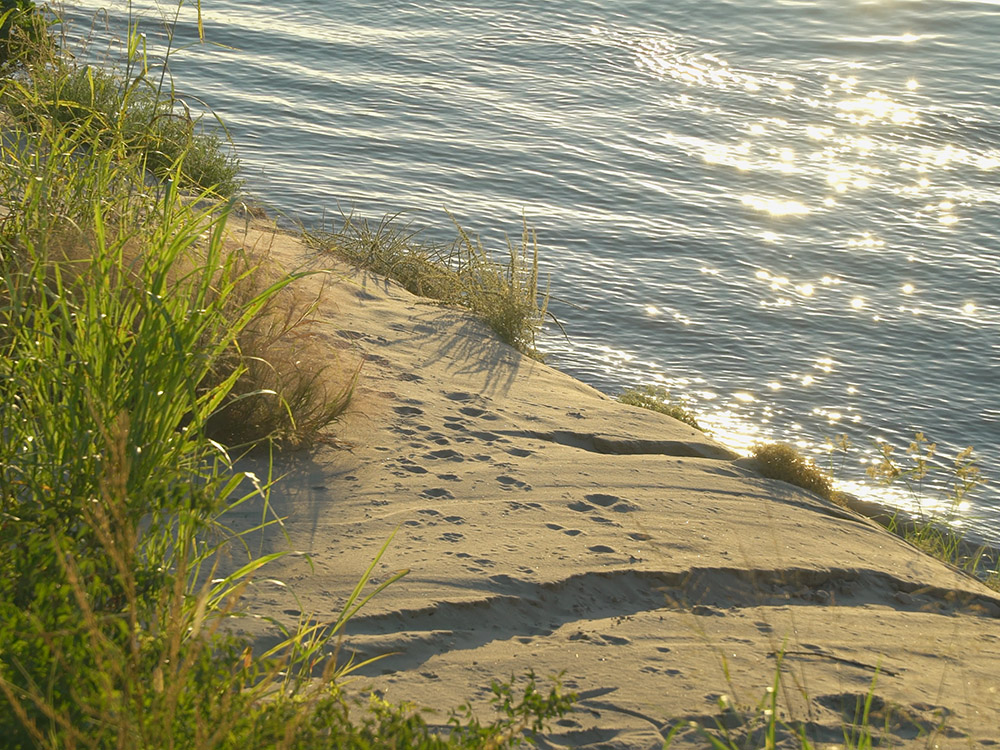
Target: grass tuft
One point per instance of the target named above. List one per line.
(935, 532)
(782, 461)
(504, 294)
(657, 398)
(127, 107)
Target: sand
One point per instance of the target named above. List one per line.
(546, 526)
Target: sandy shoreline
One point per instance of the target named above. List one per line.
(548, 527)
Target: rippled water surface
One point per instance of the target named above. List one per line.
(785, 212)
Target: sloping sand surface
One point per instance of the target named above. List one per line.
(548, 527)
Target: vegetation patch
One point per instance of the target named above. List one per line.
(935, 532)
(127, 106)
(782, 461)
(869, 721)
(657, 398)
(503, 293)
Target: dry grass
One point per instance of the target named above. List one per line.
(657, 398)
(503, 293)
(782, 461)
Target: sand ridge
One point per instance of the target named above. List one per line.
(548, 527)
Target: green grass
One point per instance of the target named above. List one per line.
(22, 33)
(129, 106)
(503, 293)
(657, 398)
(767, 725)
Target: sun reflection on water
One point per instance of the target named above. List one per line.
(821, 153)
(774, 206)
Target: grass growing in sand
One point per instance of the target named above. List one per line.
(933, 533)
(503, 293)
(131, 337)
(782, 461)
(657, 398)
(767, 724)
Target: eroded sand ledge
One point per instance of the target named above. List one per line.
(548, 527)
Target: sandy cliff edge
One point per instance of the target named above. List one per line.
(549, 527)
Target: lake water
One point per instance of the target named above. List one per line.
(784, 212)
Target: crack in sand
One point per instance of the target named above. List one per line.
(616, 593)
(623, 446)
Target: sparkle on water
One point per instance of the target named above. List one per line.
(791, 226)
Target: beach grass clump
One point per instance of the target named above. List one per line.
(935, 532)
(767, 724)
(657, 398)
(23, 33)
(130, 105)
(503, 293)
(784, 462)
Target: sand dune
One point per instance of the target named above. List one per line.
(548, 527)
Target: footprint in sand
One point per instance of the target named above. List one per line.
(452, 536)
(603, 500)
(457, 520)
(459, 396)
(351, 335)
(614, 502)
(520, 452)
(614, 640)
(580, 506)
(410, 377)
(524, 506)
(658, 670)
(639, 536)
(602, 548)
(407, 411)
(437, 493)
(449, 477)
(487, 437)
(572, 532)
(445, 453)
(510, 483)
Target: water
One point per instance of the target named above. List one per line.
(784, 212)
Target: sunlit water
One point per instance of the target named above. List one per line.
(784, 212)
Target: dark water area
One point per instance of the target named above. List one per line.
(784, 213)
